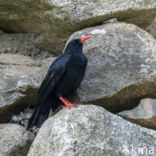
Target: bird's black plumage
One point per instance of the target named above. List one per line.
(62, 79)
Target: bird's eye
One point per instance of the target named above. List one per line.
(78, 42)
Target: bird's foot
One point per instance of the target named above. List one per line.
(73, 105)
(67, 103)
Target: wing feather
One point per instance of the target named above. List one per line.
(54, 74)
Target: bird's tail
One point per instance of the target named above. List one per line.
(38, 117)
(41, 111)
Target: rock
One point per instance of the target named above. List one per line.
(56, 19)
(21, 43)
(47, 62)
(144, 114)
(121, 66)
(14, 140)
(22, 118)
(152, 28)
(91, 130)
(20, 78)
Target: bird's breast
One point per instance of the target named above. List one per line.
(72, 77)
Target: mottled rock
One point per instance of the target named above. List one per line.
(14, 140)
(152, 28)
(91, 130)
(56, 19)
(20, 77)
(121, 66)
(144, 114)
(21, 43)
(22, 118)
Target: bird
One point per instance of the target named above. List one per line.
(62, 79)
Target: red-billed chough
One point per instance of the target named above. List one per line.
(62, 79)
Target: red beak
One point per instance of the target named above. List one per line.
(85, 38)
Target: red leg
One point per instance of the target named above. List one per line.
(67, 103)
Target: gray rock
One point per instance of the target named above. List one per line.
(56, 19)
(21, 43)
(14, 140)
(121, 66)
(47, 62)
(20, 78)
(152, 28)
(92, 131)
(22, 118)
(144, 114)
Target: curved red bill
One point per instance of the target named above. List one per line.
(85, 38)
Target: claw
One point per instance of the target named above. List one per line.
(74, 105)
(67, 103)
(65, 107)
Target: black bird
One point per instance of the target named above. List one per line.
(62, 79)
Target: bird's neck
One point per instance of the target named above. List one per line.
(73, 51)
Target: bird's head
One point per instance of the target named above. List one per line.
(75, 45)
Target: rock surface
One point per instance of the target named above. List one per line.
(14, 141)
(121, 66)
(21, 43)
(20, 77)
(22, 118)
(152, 28)
(91, 130)
(56, 19)
(144, 114)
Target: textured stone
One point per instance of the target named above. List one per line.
(144, 114)
(56, 19)
(21, 43)
(121, 66)
(14, 140)
(91, 130)
(152, 28)
(20, 77)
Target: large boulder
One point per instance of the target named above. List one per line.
(14, 140)
(144, 114)
(121, 66)
(20, 78)
(91, 130)
(56, 19)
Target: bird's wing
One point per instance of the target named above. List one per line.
(53, 76)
